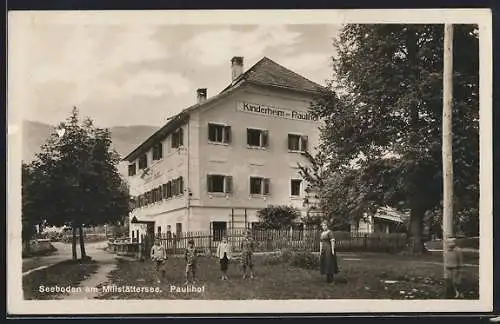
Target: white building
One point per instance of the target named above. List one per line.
(385, 220)
(215, 164)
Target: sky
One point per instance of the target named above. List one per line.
(141, 74)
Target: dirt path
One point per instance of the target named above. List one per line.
(63, 253)
(89, 287)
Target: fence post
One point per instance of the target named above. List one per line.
(210, 243)
(365, 239)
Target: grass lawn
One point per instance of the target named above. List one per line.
(65, 274)
(361, 276)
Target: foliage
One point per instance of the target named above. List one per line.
(277, 217)
(305, 260)
(78, 181)
(30, 213)
(382, 121)
(293, 257)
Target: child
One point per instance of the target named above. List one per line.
(224, 255)
(190, 257)
(159, 256)
(247, 247)
(453, 267)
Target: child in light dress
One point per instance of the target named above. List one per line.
(224, 255)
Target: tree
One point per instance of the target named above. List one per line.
(383, 112)
(323, 187)
(277, 217)
(82, 185)
(30, 213)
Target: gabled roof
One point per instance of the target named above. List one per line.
(265, 72)
(391, 214)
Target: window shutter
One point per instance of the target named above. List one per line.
(177, 186)
(266, 186)
(248, 136)
(173, 138)
(181, 137)
(209, 129)
(169, 189)
(227, 134)
(229, 184)
(304, 143)
(290, 142)
(209, 184)
(265, 138)
(181, 186)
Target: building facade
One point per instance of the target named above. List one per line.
(215, 164)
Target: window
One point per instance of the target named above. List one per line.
(177, 138)
(259, 186)
(132, 170)
(157, 151)
(219, 230)
(177, 186)
(295, 187)
(219, 183)
(257, 137)
(219, 133)
(143, 162)
(297, 143)
(159, 230)
(178, 229)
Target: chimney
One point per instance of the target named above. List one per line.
(236, 67)
(201, 95)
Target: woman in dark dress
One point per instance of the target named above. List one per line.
(328, 257)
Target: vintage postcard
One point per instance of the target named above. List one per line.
(288, 161)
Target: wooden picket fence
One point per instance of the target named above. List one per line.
(273, 240)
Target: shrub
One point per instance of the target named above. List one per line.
(277, 217)
(286, 255)
(300, 259)
(273, 259)
(305, 260)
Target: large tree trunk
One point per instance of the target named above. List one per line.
(82, 243)
(73, 243)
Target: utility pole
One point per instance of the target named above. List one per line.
(448, 231)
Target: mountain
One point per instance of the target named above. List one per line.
(125, 138)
